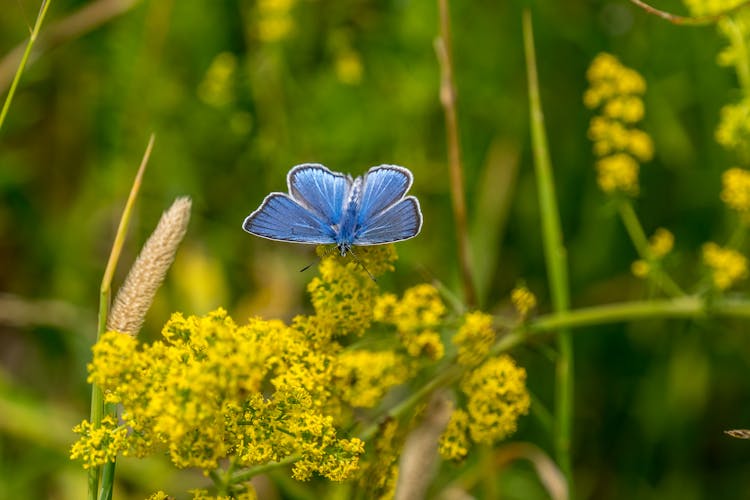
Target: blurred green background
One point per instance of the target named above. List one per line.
(237, 92)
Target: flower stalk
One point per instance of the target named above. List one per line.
(555, 257)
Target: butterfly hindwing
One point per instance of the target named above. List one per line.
(319, 190)
(383, 186)
(401, 221)
(282, 218)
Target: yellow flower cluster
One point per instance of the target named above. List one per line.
(344, 295)
(196, 394)
(611, 136)
(454, 442)
(200, 494)
(416, 316)
(474, 338)
(616, 90)
(660, 244)
(735, 191)
(710, 7)
(496, 396)
(211, 391)
(216, 89)
(365, 376)
(523, 300)
(733, 130)
(102, 445)
(349, 67)
(275, 19)
(380, 468)
(727, 266)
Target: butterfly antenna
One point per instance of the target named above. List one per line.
(359, 261)
(326, 254)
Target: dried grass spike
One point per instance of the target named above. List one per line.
(137, 293)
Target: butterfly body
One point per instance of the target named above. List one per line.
(325, 207)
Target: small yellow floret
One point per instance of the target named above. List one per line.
(523, 300)
(416, 317)
(640, 268)
(349, 67)
(710, 7)
(365, 376)
(733, 130)
(474, 339)
(640, 145)
(735, 191)
(728, 266)
(618, 172)
(661, 243)
(454, 442)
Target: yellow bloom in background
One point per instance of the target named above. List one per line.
(379, 473)
(275, 19)
(523, 300)
(628, 109)
(217, 87)
(661, 243)
(735, 191)
(710, 7)
(454, 442)
(618, 173)
(616, 90)
(640, 145)
(640, 268)
(733, 130)
(474, 338)
(496, 396)
(349, 67)
(727, 266)
(609, 79)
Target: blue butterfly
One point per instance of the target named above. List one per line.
(325, 207)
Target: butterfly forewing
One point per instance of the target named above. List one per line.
(282, 218)
(319, 190)
(401, 221)
(383, 186)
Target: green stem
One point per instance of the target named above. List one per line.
(443, 378)
(642, 246)
(458, 198)
(689, 21)
(555, 257)
(695, 307)
(24, 59)
(251, 472)
(105, 291)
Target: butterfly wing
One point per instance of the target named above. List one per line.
(383, 186)
(403, 220)
(319, 190)
(282, 218)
